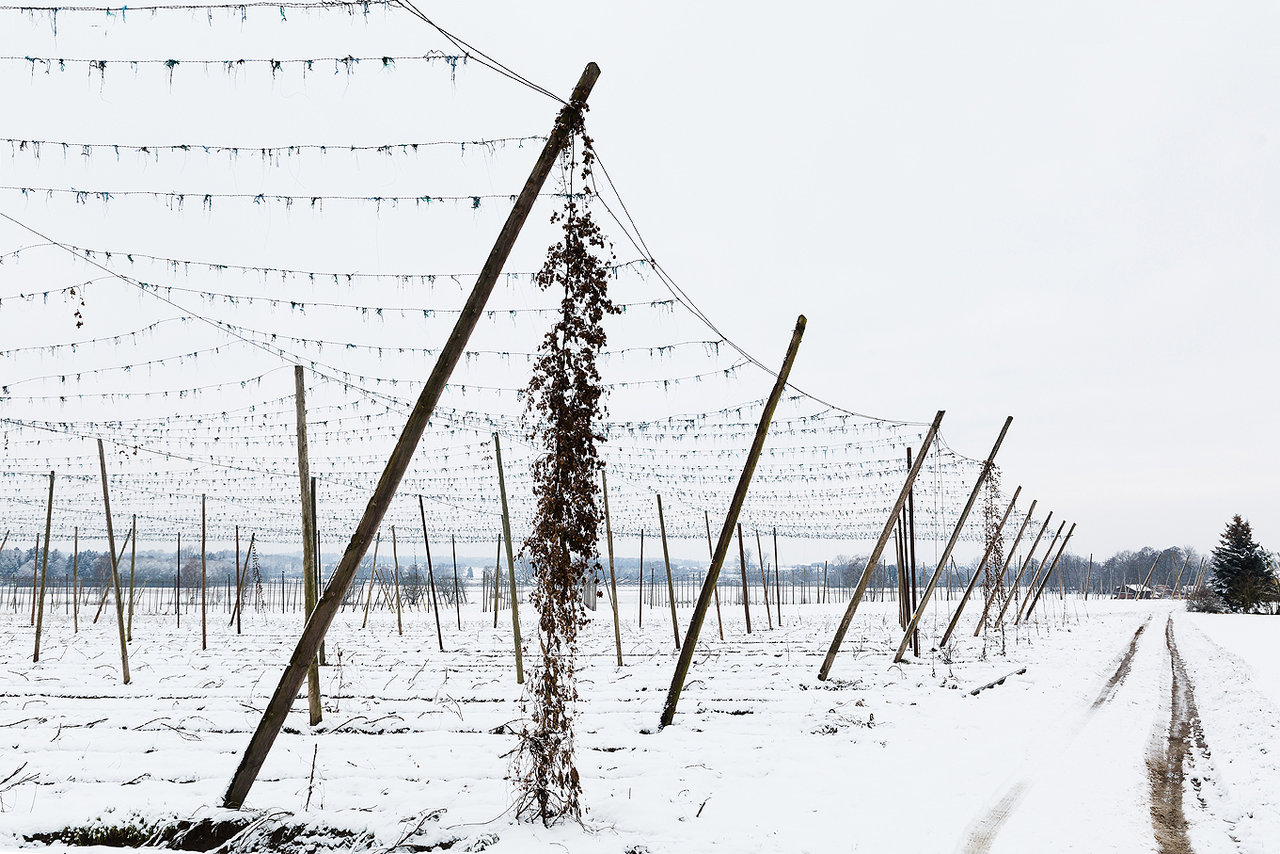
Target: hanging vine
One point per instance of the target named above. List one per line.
(565, 413)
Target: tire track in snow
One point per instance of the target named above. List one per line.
(1168, 754)
(987, 828)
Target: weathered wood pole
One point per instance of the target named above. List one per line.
(1008, 561)
(431, 575)
(75, 580)
(1013, 589)
(977, 573)
(1147, 584)
(278, 708)
(1035, 577)
(497, 577)
(746, 590)
(715, 591)
(726, 532)
(640, 618)
(44, 571)
(666, 560)
(932, 583)
(1043, 581)
(395, 570)
(204, 553)
(764, 581)
(35, 578)
(777, 589)
(309, 587)
(457, 598)
(865, 579)
(373, 570)
(511, 560)
(115, 574)
(315, 535)
(133, 563)
(1088, 577)
(915, 590)
(613, 581)
(177, 584)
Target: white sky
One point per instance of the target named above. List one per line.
(1067, 214)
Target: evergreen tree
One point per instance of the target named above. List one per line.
(1240, 574)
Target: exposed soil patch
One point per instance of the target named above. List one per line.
(1126, 663)
(1168, 754)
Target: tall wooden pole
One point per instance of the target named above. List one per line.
(613, 581)
(204, 554)
(431, 575)
(457, 599)
(1147, 584)
(715, 591)
(1017, 579)
(44, 571)
(1035, 577)
(511, 561)
(726, 532)
(115, 573)
(666, 559)
(911, 528)
(309, 590)
(861, 589)
(278, 708)
(1008, 561)
(777, 590)
(133, 563)
(640, 616)
(315, 551)
(1040, 589)
(177, 584)
(75, 580)
(373, 571)
(977, 573)
(395, 569)
(746, 589)
(497, 578)
(951, 543)
(764, 581)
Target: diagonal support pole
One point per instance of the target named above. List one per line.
(861, 589)
(1013, 588)
(951, 544)
(318, 624)
(1008, 561)
(726, 532)
(973, 580)
(1053, 566)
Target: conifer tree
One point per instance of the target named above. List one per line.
(564, 411)
(1240, 574)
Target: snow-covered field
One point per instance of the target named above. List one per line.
(1074, 754)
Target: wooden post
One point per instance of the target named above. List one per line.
(395, 570)
(115, 574)
(1177, 582)
(726, 532)
(1147, 584)
(204, 552)
(35, 578)
(1036, 583)
(951, 544)
(44, 571)
(715, 590)
(973, 580)
(431, 576)
(666, 559)
(308, 537)
(497, 574)
(133, 562)
(177, 584)
(511, 561)
(315, 535)
(1008, 561)
(278, 708)
(640, 618)
(373, 569)
(865, 579)
(75, 580)
(1017, 579)
(764, 581)
(1088, 576)
(746, 591)
(457, 598)
(1040, 589)
(613, 581)
(911, 529)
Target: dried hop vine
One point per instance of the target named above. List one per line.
(564, 412)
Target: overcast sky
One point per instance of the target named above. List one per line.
(1064, 213)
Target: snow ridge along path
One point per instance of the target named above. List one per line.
(984, 832)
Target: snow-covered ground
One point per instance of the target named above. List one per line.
(1069, 756)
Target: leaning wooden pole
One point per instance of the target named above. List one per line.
(309, 644)
(1008, 561)
(764, 582)
(431, 575)
(973, 580)
(1052, 566)
(666, 560)
(1150, 572)
(746, 588)
(115, 573)
(861, 589)
(511, 561)
(613, 581)
(1017, 579)
(44, 571)
(1035, 576)
(726, 532)
(715, 591)
(951, 544)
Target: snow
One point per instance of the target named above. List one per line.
(762, 758)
